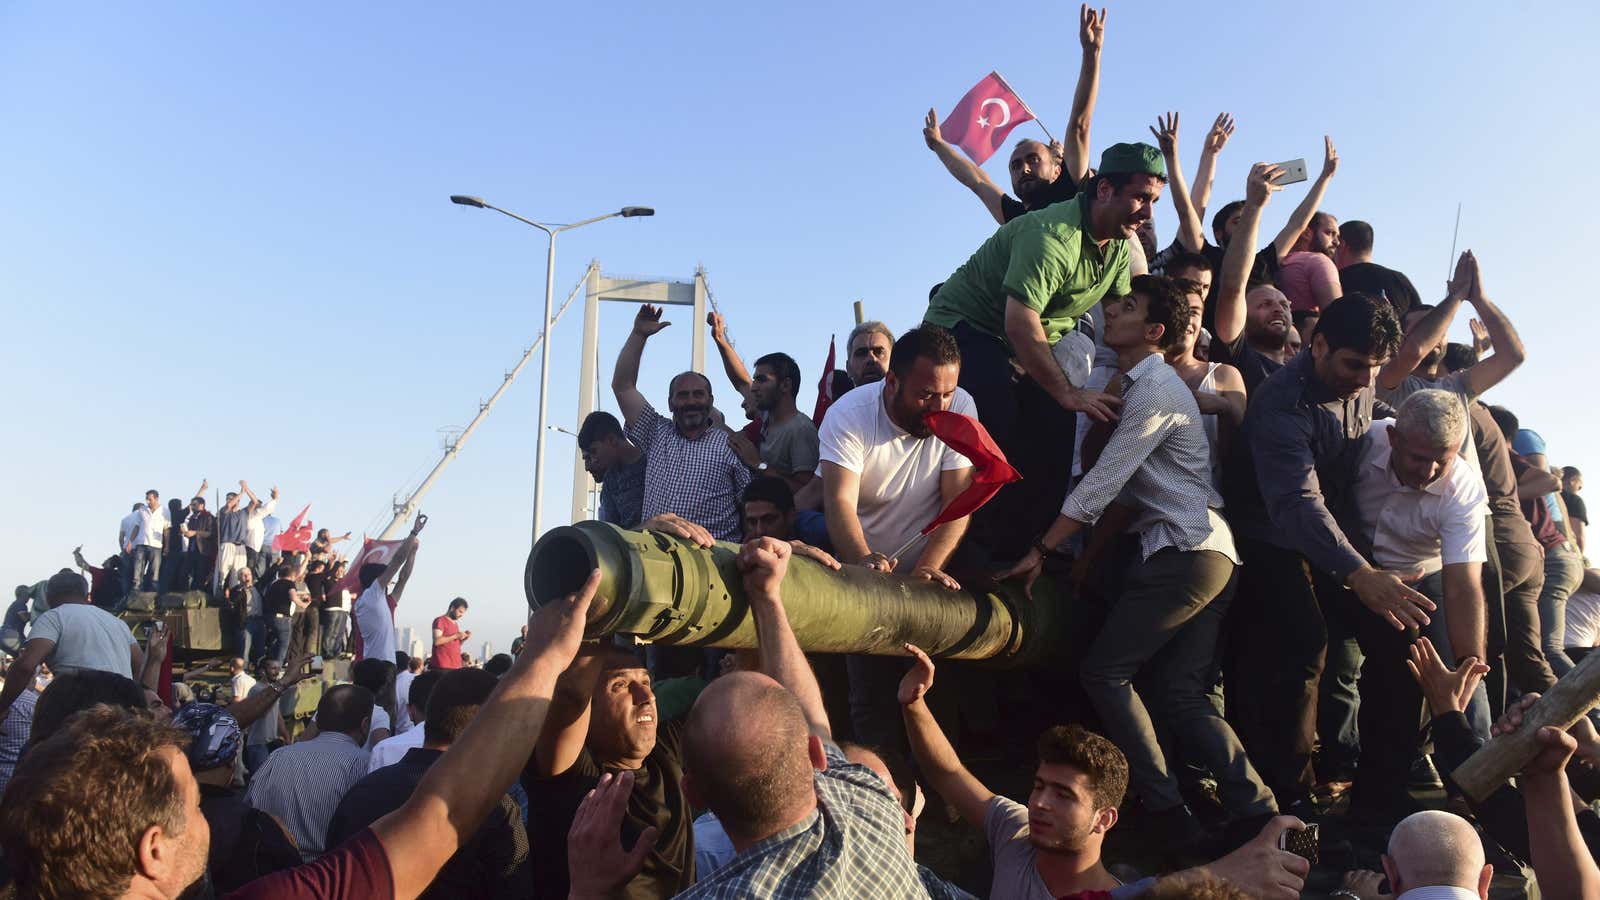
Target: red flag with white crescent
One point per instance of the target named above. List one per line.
(297, 537)
(825, 396)
(372, 551)
(985, 116)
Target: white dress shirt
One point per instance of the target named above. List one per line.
(150, 528)
(254, 531)
(1439, 525)
(390, 749)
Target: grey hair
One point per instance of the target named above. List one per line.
(1435, 416)
(869, 327)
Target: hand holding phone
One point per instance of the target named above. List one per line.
(1294, 172)
(1302, 842)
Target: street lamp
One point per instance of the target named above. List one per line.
(551, 230)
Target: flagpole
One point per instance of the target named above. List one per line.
(906, 546)
(1026, 107)
(1450, 268)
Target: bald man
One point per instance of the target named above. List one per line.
(759, 752)
(1440, 851)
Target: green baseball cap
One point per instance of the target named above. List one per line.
(1132, 159)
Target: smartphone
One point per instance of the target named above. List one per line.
(1302, 842)
(1294, 172)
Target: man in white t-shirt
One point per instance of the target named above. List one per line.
(239, 679)
(402, 696)
(1424, 512)
(374, 609)
(885, 477)
(72, 635)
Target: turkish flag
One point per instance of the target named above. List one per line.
(968, 437)
(980, 122)
(825, 396)
(297, 537)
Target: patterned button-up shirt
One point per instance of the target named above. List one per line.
(700, 480)
(302, 784)
(852, 846)
(14, 732)
(1159, 461)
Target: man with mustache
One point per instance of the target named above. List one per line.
(691, 469)
(1009, 304)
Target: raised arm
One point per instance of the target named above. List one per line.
(1075, 150)
(462, 787)
(1560, 857)
(732, 365)
(148, 664)
(1508, 351)
(1301, 217)
(201, 490)
(625, 380)
(1216, 139)
(245, 487)
(1190, 234)
(962, 169)
(1428, 330)
(1235, 275)
(936, 759)
(764, 562)
(253, 707)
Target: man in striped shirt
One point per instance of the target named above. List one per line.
(302, 784)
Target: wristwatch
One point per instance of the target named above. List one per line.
(1046, 552)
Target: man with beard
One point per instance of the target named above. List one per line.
(691, 468)
(1008, 306)
(884, 477)
(1307, 274)
(868, 350)
(616, 465)
(789, 440)
(1251, 329)
(1040, 174)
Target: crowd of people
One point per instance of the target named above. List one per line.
(1309, 566)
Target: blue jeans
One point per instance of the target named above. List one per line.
(256, 754)
(254, 644)
(282, 626)
(145, 572)
(1563, 572)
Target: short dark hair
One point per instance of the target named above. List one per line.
(458, 602)
(597, 426)
(81, 799)
(1091, 754)
(1223, 215)
(73, 692)
(1300, 316)
(499, 664)
(783, 366)
(1165, 305)
(842, 383)
(1459, 356)
(673, 384)
(1570, 472)
(370, 572)
(65, 585)
(1357, 235)
(1184, 259)
(153, 491)
(1507, 420)
(925, 341)
(771, 489)
(1360, 322)
(345, 706)
(455, 702)
(422, 688)
(372, 673)
(899, 770)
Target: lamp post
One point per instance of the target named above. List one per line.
(550, 230)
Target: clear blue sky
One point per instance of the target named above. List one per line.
(227, 249)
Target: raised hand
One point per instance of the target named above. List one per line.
(918, 679)
(1221, 130)
(557, 628)
(1057, 150)
(419, 524)
(204, 483)
(1476, 293)
(719, 329)
(1330, 158)
(1167, 133)
(1481, 341)
(1459, 287)
(1091, 28)
(596, 863)
(648, 321)
(1262, 183)
(298, 670)
(1447, 690)
(930, 130)
(763, 562)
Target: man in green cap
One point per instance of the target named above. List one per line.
(1013, 300)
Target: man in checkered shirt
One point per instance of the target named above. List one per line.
(690, 468)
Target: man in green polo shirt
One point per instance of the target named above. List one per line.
(1014, 299)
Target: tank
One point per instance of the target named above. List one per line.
(660, 589)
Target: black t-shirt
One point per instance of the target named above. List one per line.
(1264, 270)
(1059, 191)
(14, 614)
(1499, 478)
(245, 842)
(657, 800)
(1575, 506)
(1252, 364)
(280, 598)
(1380, 281)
